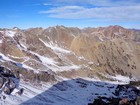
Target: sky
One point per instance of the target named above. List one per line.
(71, 13)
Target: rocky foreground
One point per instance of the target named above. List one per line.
(102, 93)
(124, 95)
(8, 82)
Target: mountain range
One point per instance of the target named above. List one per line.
(66, 64)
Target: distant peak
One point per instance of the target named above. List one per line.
(115, 27)
(15, 28)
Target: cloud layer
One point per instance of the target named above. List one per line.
(120, 10)
(94, 2)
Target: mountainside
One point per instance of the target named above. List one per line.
(44, 57)
(114, 50)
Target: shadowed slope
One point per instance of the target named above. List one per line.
(79, 92)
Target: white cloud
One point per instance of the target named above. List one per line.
(95, 2)
(118, 13)
(65, 9)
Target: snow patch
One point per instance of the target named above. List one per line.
(23, 45)
(65, 68)
(91, 63)
(44, 60)
(81, 58)
(28, 67)
(3, 57)
(1, 41)
(10, 33)
(122, 78)
(101, 39)
(55, 47)
(118, 79)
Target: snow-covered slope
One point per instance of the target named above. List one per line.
(76, 91)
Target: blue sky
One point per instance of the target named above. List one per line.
(75, 13)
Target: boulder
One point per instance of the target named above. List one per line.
(20, 92)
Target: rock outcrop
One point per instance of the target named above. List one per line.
(8, 81)
(124, 95)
